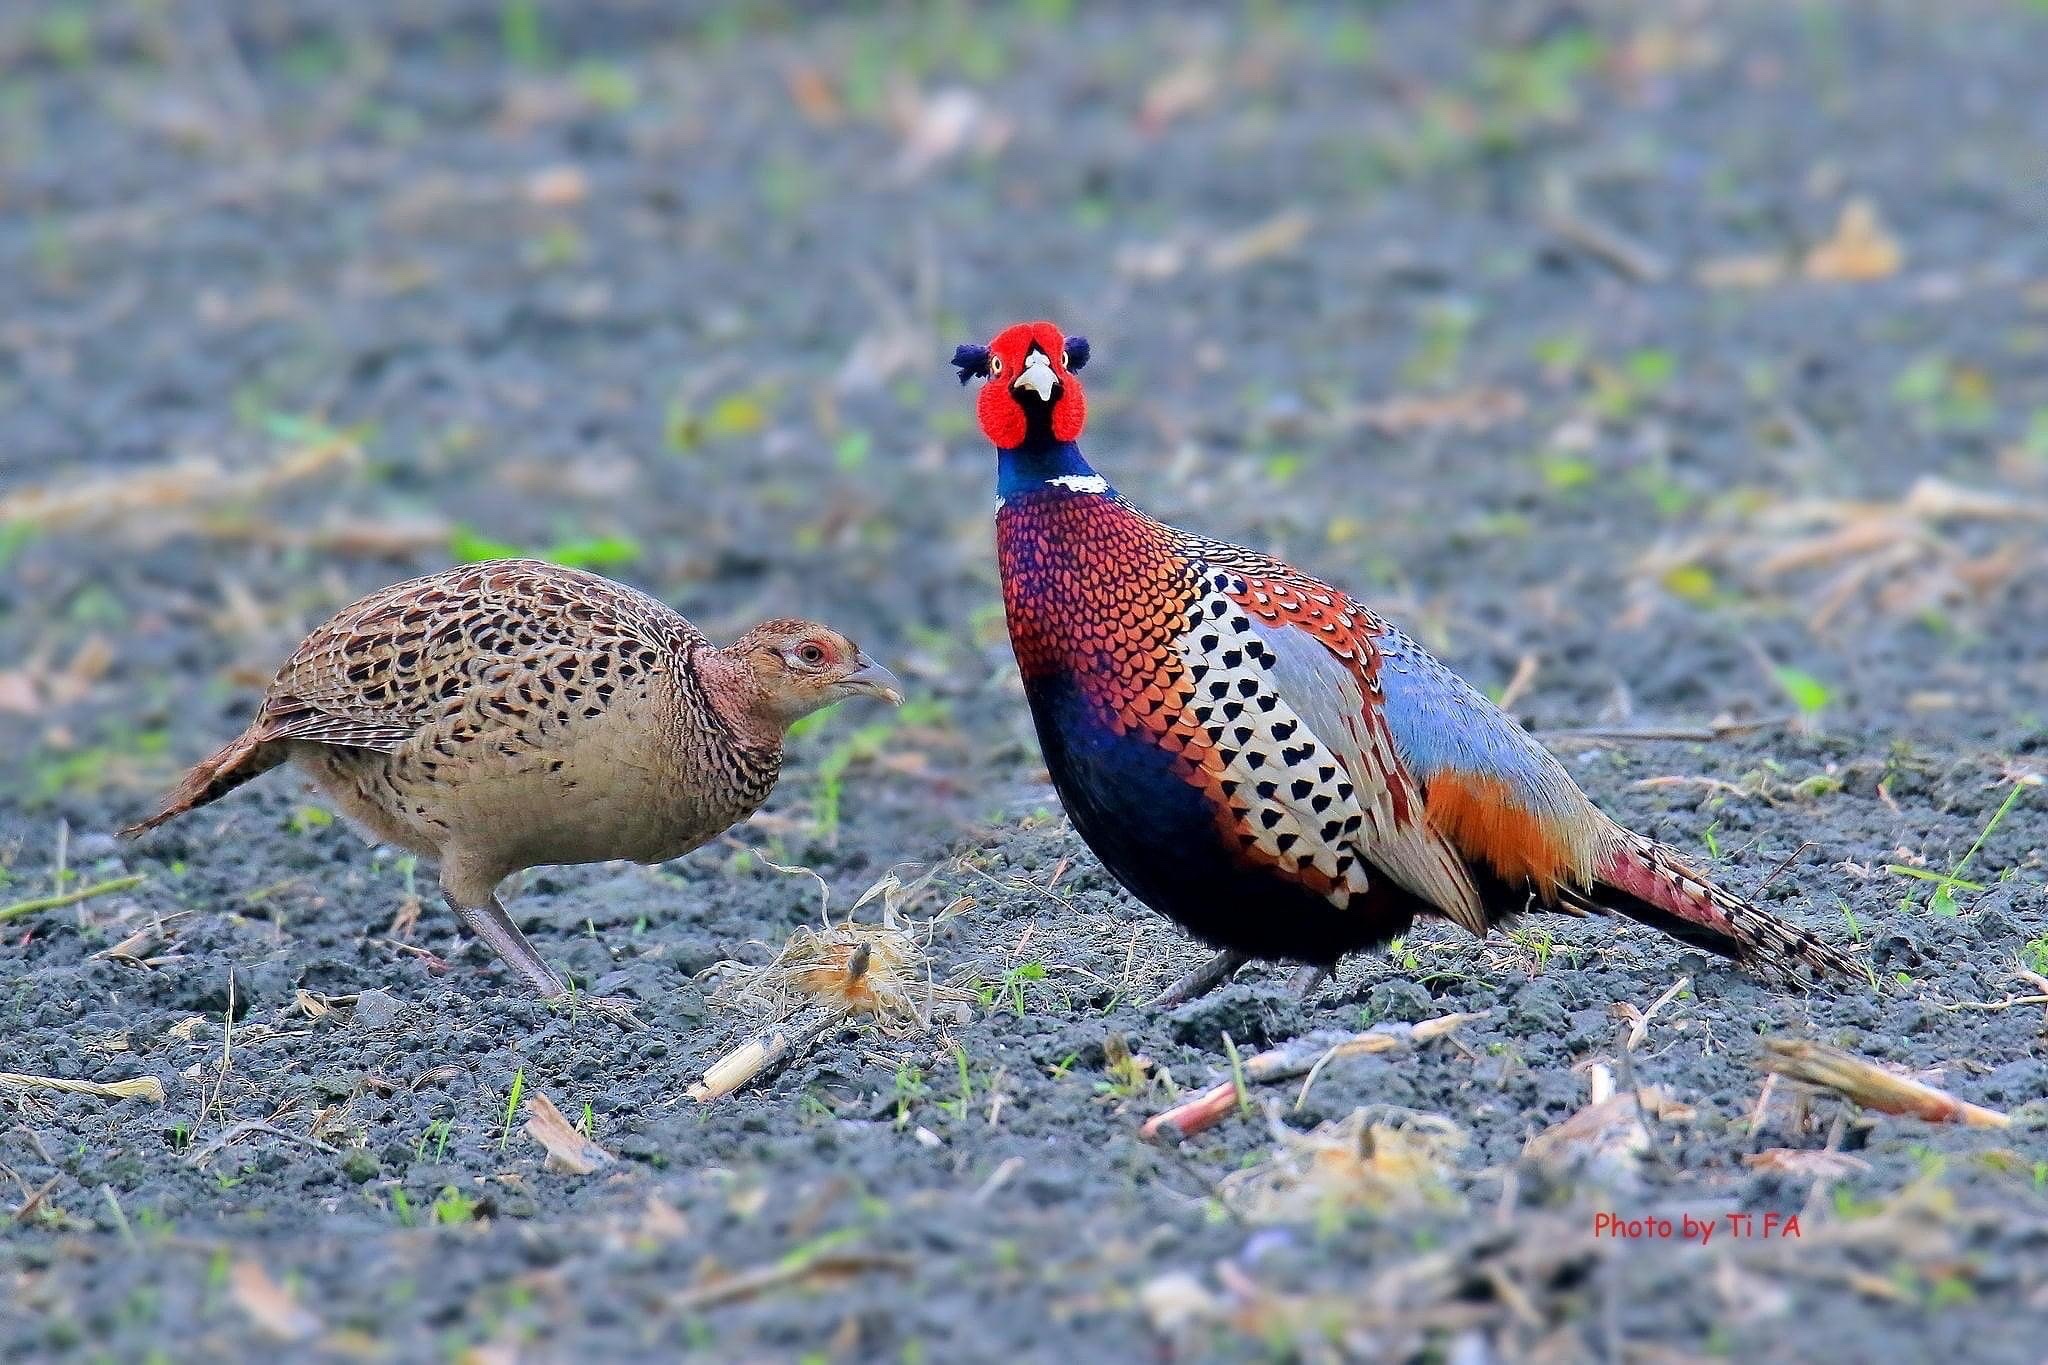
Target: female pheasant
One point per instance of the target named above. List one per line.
(1265, 761)
(503, 715)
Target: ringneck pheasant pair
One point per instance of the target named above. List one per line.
(1248, 750)
(1260, 758)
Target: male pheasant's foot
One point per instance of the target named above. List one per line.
(1201, 980)
(1308, 981)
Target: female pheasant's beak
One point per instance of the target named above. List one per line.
(1037, 376)
(870, 679)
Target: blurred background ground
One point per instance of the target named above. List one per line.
(1662, 367)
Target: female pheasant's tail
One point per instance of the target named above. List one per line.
(241, 759)
(1655, 885)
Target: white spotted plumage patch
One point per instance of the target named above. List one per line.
(1294, 802)
(1306, 663)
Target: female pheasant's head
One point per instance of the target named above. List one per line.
(1031, 390)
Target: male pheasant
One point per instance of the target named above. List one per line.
(503, 715)
(1255, 755)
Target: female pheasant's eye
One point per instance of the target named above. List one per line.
(811, 653)
(995, 366)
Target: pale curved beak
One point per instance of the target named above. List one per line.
(872, 680)
(1037, 376)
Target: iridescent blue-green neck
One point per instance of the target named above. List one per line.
(1042, 462)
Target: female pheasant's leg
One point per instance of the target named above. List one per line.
(490, 923)
(1201, 980)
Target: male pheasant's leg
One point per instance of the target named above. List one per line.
(1308, 981)
(1201, 980)
(490, 923)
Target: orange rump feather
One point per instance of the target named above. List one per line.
(1483, 821)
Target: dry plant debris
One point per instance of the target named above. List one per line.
(139, 949)
(821, 979)
(154, 503)
(1305, 1056)
(821, 1268)
(1807, 1164)
(1638, 1020)
(1905, 556)
(1463, 410)
(1860, 249)
(1612, 1132)
(1870, 1085)
(1279, 235)
(1491, 1279)
(569, 1151)
(136, 1088)
(40, 684)
(269, 1305)
(1376, 1159)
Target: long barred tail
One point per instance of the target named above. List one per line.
(239, 760)
(1655, 885)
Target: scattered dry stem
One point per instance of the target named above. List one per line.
(1871, 1085)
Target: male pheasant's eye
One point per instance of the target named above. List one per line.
(811, 653)
(995, 366)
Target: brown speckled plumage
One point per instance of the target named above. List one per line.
(505, 715)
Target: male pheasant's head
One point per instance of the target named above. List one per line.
(796, 667)
(1031, 389)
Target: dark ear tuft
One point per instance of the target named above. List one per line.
(971, 361)
(1077, 353)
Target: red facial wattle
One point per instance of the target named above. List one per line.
(1005, 420)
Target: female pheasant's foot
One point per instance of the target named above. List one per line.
(1201, 980)
(495, 928)
(491, 924)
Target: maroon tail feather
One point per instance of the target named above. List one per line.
(1655, 885)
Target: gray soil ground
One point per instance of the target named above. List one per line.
(1524, 321)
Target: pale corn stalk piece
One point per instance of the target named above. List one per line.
(1871, 1085)
(568, 1150)
(136, 1088)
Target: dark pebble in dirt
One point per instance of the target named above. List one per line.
(1538, 1008)
(1993, 926)
(1402, 1000)
(375, 1009)
(1249, 1011)
(2031, 1117)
